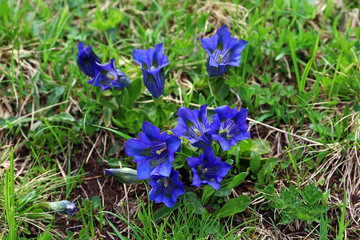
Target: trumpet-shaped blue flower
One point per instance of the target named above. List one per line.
(166, 189)
(208, 169)
(152, 62)
(87, 60)
(224, 51)
(64, 206)
(106, 75)
(153, 151)
(231, 125)
(194, 126)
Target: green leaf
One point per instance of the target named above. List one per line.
(210, 100)
(233, 206)
(61, 117)
(55, 95)
(241, 147)
(246, 145)
(255, 161)
(202, 100)
(236, 180)
(222, 90)
(261, 146)
(208, 191)
(161, 115)
(114, 18)
(134, 91)
(126, 98)
(311, 194)
(305, 74)
(357, 32)
(4, 10)
(266, 170)
(223, 192)
(195, 203)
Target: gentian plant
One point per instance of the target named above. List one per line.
(152, 62)
(166, 189)
(194, 126)
(208, 169)
(153, 151)
(224, 51)
(105, 76)
(64, 207)
(87, 59)
(161, 157)
(231, 126)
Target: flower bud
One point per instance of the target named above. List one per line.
(123, 175)
(64, 206)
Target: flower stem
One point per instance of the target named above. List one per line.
(158, 101)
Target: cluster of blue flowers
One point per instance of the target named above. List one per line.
(224, 51)
(153, 151)
(104, 75)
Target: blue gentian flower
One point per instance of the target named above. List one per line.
(153, 151)
(152, 62)
(86, 59)
(106, 75)
(231, 125)
(224, 51)
(166, 189)
(194, 126)
(124, 175)
(64, 206)
(207, 169)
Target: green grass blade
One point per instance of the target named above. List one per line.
(294, 59)
(305, 74)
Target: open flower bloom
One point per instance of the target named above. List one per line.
(153, 151)
(231, 125)
(207, 169)
(166, 189)
(194, 126)
(86, 60)
(224, 51)
(106, 75)
(64, 206)
(152, 62)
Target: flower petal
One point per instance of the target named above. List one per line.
(144, 170)
(135, 147)
(242, 136)
(225, 144)
(210, 43)
(223, 112)
(163, 169)
(151, 131)
(173, 144)
(141, 56)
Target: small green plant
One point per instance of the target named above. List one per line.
(303, 204)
